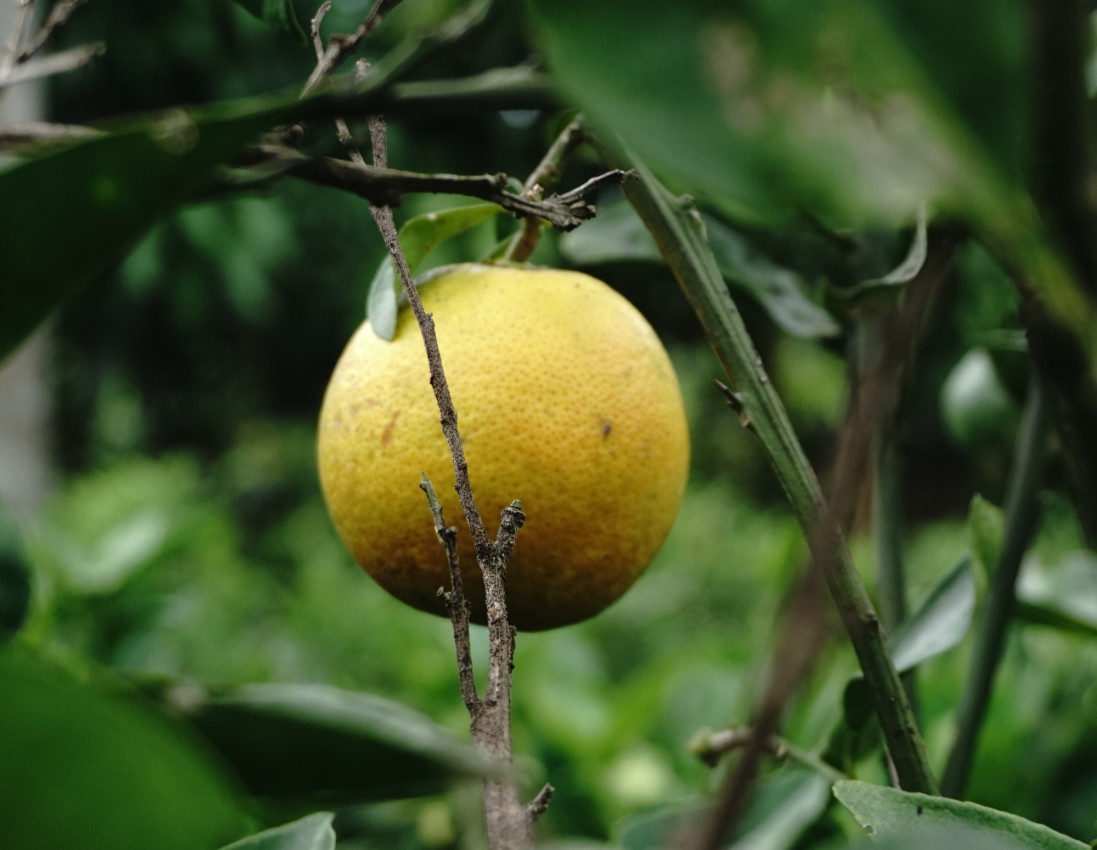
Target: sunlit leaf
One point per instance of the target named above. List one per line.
(890, 812)
(312, 832)
(80, 768)
(418, 237)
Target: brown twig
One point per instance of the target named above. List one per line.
(384, 186)
(59, 16)
(342, 46)
(542, 178)
(509, 824)
(456, 604)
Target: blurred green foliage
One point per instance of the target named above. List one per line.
(188, 542)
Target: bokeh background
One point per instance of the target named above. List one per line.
(184, 536)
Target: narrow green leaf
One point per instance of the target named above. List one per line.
(418, 237)
(890, 812)
(277, 14)
(1050, 615)
(314, 740)
(312, 832)
(781, 807)
(81, 768)
(938, 625)
(383, 300)
(888, 287)
(618, 235)
(781, 292)
(986, 528)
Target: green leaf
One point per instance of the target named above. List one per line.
(310, 740)
(277, 14)
(938, 625)
(81, 208)
(81, 768)
(886, 289)
(312, 832)
(617, 235)
(418, 237)
(986, 529)
(781, 292)
(781, 807)
(15, 587)
(1061, 595)
(889, 812)
(741, 109)
(1050, 615)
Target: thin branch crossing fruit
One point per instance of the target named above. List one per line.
(566, 400)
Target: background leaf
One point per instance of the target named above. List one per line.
(71, 757)
(618, 235)
(305, 740)
(938, 625)
(312, 832)
(278, 14)
(889, 812)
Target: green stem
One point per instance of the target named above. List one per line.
(1022, 512)
(680, 236)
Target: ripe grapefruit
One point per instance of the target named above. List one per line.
(565, 399)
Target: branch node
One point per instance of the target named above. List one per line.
(539, 804)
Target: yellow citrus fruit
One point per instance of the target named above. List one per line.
(565, 400)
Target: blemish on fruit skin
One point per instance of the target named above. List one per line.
(606, 426)
(386, 435)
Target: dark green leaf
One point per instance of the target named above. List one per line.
(79, 768)
(889, 812)
(418, 237)
(1061, 595)
(617, 235)
(740, 106)
(278, 14)
(781, 292)
(79, 209)
(938, 625)
(781, 807)
(886, 289)
(304, 740)
(1050, 615)
(986, 528)
(312, 832)
(15, 589)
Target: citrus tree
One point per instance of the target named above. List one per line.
(863, 233)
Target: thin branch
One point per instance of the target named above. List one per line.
(539, 804)
(59, 16)
(711, 747)
(1022, 512)
(56, 63)
(542, 178)
(20, 32)
(342, 46)
(384, 186)
(681, 239)
(16, 136)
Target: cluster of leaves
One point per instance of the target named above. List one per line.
(169, 608)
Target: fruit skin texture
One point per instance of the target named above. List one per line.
(565, 399)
